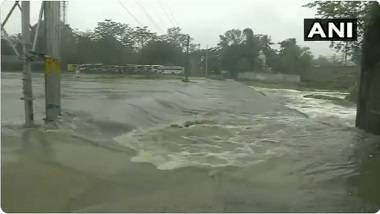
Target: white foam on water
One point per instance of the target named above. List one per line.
(208, 144)
(313, 107)
(236, 140)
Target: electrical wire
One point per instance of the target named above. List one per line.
(131, 14)
(149, 17)
(171, 15)
(166, 13)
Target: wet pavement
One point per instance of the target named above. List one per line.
(125, 144)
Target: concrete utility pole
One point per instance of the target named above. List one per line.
(206, 61)
(187, 69)
(368, 108)
(53, 69)
(27, 74)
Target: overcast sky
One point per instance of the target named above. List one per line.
(204, 20)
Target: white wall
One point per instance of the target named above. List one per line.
(269, 77)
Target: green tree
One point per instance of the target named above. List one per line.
(176, 37)
(251, 46)
(109, 41)
(141, 36)
(230, 38)
(271, 55)
(161, 53)
(86, 50)
(6, 48)
(109, 28)
(322, 61)
(292, 58)
(69, 45)
(239, 50)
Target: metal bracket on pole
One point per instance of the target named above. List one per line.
(10, 13)
(28, 52)
(6, 36)
(18, 5)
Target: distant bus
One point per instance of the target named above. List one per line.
(90, 68)
(172, 70)
(126, 69)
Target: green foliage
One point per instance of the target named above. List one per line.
(322, 61)
(292, 58)
(111, 29)
(271, 55)
(116, 43)
(6, 48)
(176, 37)
(140, 36)
(161, 52)
(239, 50)
(231, 37)
(69, 50)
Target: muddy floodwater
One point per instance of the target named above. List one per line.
(128, 144)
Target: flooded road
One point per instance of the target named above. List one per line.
(125, 144)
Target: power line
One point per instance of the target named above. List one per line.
(171, 15)
(149, 17)
(166, 13)
(161, 18)
(130, 13)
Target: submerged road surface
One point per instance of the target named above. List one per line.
(140, 145)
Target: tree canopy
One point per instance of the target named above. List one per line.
(239, 50)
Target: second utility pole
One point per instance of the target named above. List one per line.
(187, 70)
(27, 73)
(53, 67)
(206, 61)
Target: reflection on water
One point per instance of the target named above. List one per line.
(270, 151)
